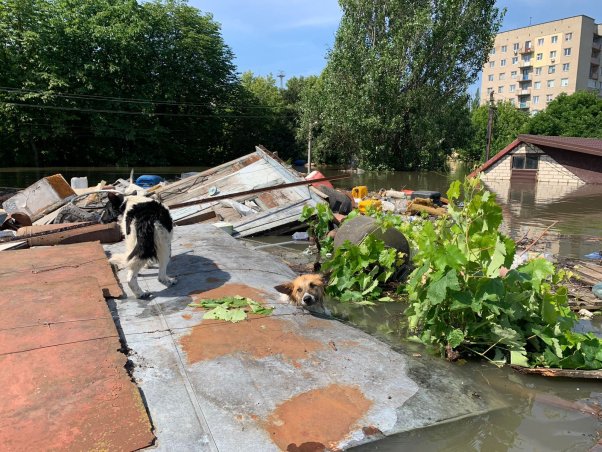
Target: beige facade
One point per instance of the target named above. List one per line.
(530, 66)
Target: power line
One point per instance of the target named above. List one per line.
(130, 100)
(125, 112)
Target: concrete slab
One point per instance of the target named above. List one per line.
(63, 379)
(289, 381)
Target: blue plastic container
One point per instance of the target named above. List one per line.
(147, 181)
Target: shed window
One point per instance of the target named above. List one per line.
(525, 161)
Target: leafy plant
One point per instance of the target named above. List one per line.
(359, 272)
(318, 220)
(232, 309)
(460, 303)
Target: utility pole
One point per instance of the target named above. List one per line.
(281, 76)
(311, 124)
(490, 125)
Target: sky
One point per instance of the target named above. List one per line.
(294, 36)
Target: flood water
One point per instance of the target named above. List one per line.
(527, 209)
(542, 414)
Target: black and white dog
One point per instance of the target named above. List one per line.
(148, 228)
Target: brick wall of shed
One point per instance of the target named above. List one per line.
(550, 170)
(586, 167)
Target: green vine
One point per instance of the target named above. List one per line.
(460, 303)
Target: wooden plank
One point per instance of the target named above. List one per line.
(564, 373)
(587, 275)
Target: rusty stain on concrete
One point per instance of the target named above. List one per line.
(186, 316)
(258, 337)
(318, 419)
(230, 290)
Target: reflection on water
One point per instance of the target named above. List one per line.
(541, 413)
(527, 209)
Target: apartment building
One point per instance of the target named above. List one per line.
(532, 65)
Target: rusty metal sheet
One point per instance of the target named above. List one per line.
(31, 320)
(65, 386)
(72, 397)
(62, 263)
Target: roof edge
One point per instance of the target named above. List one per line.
(496, 157)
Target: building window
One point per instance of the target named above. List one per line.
(537, 71)
(566, 67)
(527, 44)
(537, 85)
(554, 39)
(551, 69)
(512, 101)
(568, 36)
(503, 62)
(525, 161)
(490, 77)
(512, 88)
(567, 51)
(550, 83)
(493, 51)
(502, 75)
(539, 56)
(514, 60)
(540, 42)
(535, 99)
(489, 91)
(504, 48)
(513, 74)
(492, 64)
(500, 89)
(553, 54)
(516, 46)
(549, 97)
(564, 82)
(527, 58)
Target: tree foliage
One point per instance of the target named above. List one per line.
(508, 123)
(393, 92)
(577, 115)
(114, 81)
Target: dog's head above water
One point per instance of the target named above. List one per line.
(305, 290)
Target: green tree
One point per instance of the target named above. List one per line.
(114, 81)
(395, 83)
(577, 115)
(274, 118)
(508, 123)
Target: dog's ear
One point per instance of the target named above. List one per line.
(286, 288)
(117, 200)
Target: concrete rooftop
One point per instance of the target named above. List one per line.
(289, 381)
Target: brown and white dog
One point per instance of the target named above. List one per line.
(305, 290)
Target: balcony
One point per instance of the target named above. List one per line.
(525, 78)
(526, 49)
(525, 64)
(524, 92)
(595, 61)
(524, 105)
(596, 45)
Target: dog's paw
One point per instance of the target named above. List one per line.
(144, 295)
(169, 281)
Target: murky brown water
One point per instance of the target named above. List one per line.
(542, 414)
